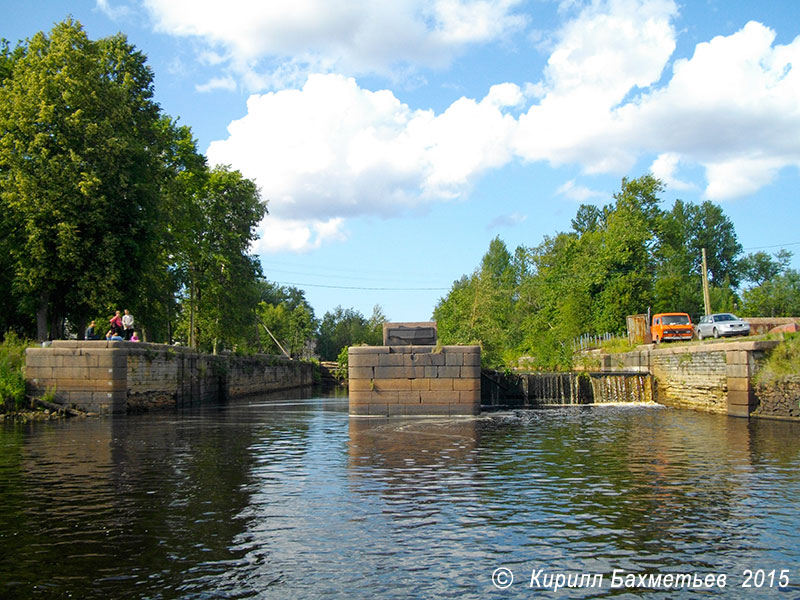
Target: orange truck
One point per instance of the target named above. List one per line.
(671, 326)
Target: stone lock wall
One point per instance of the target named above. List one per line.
(117, 377)
(711, 376)
(415, 380)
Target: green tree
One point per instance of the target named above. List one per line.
(481, 308)
(79, 172)
(778, 296)
(342, 327)
(759, 267)
(218, 226)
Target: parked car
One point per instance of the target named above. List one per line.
(721, 324)
(671, 326)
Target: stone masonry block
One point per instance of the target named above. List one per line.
(739, 410)
(362, 372)
(472, 359)
(394, 360)
(470, 372)
(364, 360)
(392, 384)
(399, 372)
(467, 385)
(421, 383)
(449, 372)
(438, 397)
(736, 384)
(454, 359)
(738, 371)
(360, 385)
(386, 396)
(420, 360)
(421, 349)
(353, 350)
(80, 361)
(38, 372)
(736, 357)
(740, 397)
(469, 397)
(409, 397)
(442, 385)
(358, 397)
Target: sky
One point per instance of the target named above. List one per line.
(393, 140)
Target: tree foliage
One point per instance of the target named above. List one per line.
(342, 327)
(617, 260)
(106, 203)
(79, 171)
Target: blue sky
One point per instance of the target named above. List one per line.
(394, 140)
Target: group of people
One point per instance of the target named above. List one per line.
(121, 329)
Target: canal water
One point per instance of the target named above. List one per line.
(291, 498)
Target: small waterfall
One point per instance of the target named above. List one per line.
(621, 387)
(551, 389)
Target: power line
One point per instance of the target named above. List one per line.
(379, 289)
(773, 246)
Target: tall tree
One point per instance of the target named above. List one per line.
(79, 171)
(221, 277)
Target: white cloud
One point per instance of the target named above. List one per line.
(294, 235)
(731, 107)
(664, 168)
(509, 220)
(116, 12)
(332, 150)
(577, 192)
(353, 37)
(217, 83)
(740, 176)
(599, 58)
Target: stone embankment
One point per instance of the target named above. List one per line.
(118, 377)
(714, 376)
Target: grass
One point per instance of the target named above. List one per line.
(617, 345)
(782, 360)
(12, 372)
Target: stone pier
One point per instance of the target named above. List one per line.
(415, 380)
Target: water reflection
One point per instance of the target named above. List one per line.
(288, 497)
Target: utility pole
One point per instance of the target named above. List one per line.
(706, 297)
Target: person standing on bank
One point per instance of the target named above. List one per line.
(116, 323)
(127, 324)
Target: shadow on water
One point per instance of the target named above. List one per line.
(286, 496)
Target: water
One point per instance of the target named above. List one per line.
(293, 499)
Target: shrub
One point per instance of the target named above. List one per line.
(342, 365)
(12, 372)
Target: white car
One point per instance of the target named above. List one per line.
(721, 324)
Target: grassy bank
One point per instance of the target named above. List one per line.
(783, 360)
(12, 372)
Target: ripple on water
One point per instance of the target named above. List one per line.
(252, 500)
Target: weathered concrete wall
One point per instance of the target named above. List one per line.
(715, 377)
(116, 377)
(415, 380)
